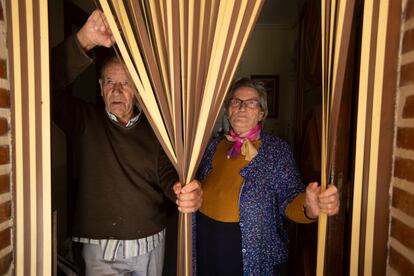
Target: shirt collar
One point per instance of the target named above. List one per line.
(131, 121)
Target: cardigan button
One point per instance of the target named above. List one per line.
(244, 250)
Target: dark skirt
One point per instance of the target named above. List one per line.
(219, 249)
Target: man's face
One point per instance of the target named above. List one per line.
(118, 91)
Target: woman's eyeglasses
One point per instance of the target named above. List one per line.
(249, 103)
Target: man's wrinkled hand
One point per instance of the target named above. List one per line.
(95, 32)
(189, 197)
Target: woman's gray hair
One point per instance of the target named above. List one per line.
(256, 85)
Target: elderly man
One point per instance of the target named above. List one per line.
(122, 171)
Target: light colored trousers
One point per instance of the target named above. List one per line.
(150, 264)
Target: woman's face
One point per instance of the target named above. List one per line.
(244, 110)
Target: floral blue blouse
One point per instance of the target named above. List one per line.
(271, 182)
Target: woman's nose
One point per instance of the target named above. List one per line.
(242, 106)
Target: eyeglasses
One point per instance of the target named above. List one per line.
(249, 103)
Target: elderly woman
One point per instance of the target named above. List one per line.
(251, 183)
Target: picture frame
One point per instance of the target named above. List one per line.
(271, 84)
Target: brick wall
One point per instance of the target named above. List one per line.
(6, 249)
(401, 241)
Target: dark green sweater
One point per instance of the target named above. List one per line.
(123, 173)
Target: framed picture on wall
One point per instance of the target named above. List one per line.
(271, 84)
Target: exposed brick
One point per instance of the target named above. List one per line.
(408, 41)
(407, 74)
(400, 263)
(5, 238)
(404, 169)
(5, 263)
(4, 183)
(5, 211)
(408, 110)
(409, 10)
(4, 126)
(403, 201)
(4, 98)
(4, 155)
(405, 138)
(3, 69)
(403, 233)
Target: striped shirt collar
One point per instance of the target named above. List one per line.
(131, 121)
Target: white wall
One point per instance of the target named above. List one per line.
(271, 51)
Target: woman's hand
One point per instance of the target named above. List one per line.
(317, 202)
(189, 197)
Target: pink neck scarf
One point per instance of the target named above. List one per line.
(244, 141)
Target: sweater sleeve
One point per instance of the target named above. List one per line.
(167, 175)
(68, 61)
(296, 212)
